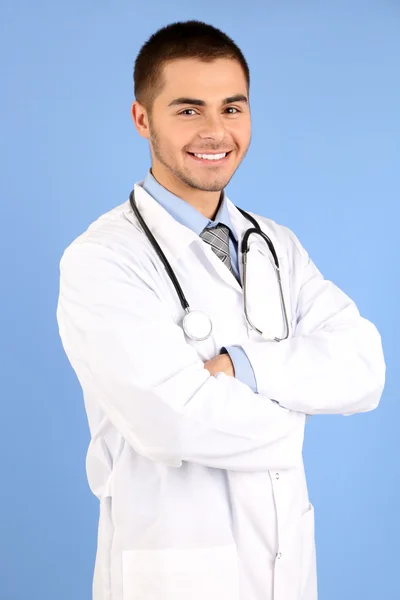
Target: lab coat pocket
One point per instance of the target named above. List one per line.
(308, 558)
(172, 574)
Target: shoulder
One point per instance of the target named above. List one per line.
(114, 234)
(112, 249)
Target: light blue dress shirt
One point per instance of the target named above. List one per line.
(188, 216)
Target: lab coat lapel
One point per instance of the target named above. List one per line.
(174, 238)
(220, 268)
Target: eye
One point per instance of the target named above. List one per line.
(233, 108)
(187, 110)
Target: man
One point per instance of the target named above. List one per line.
(196, 450)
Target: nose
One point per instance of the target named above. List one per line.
(212, 128)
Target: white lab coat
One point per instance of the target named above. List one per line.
(201, 482)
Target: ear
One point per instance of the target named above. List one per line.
(140, 119)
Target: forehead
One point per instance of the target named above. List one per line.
(189, 76)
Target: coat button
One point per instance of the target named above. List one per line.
(279, 555)
(277, 475)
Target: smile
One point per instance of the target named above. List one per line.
(211, 159)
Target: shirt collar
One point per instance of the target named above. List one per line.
(182, 211)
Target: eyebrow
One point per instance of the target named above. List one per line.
(196, 102)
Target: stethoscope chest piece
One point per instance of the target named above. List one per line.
(197, 325)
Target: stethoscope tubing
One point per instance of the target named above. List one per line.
(244, 249)
(171, 274)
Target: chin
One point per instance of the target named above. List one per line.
(208, 184)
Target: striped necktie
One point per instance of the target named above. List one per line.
(218, 238)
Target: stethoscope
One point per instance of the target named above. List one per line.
(197, 324)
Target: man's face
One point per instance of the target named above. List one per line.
(202, 109)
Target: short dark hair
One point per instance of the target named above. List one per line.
(183, 39)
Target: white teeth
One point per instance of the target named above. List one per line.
(211, 156)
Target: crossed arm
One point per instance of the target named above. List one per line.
(333, 365)
(134, 363)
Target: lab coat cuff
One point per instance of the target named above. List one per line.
(268, 363)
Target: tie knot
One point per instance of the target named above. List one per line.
(217, 236)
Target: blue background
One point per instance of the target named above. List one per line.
(324, 160)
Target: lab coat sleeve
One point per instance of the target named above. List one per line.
(334, 363)
(130, 355)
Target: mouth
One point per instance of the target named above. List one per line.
(210, 160)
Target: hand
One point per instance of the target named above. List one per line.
(220, 364)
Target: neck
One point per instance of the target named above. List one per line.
(207, 203)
